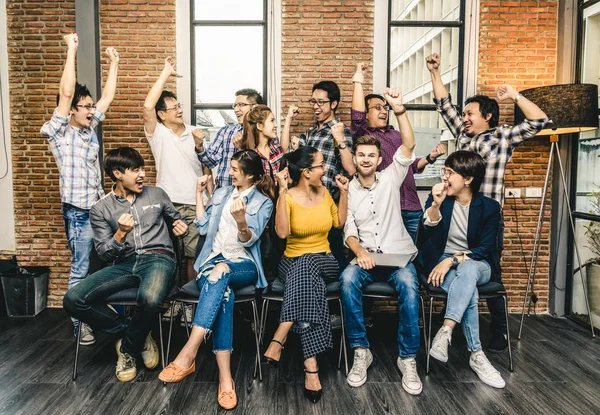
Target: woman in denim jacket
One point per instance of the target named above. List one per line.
(230, 258)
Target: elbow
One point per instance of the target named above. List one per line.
(282, 234)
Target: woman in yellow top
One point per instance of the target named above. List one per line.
(305, 214)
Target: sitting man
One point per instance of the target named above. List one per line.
(374, 224)
(131, 232)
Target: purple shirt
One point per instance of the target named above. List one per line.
(390, 140)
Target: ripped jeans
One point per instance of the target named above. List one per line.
(215, 304)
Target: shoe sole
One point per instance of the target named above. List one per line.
(87, 342)
(437, 356)
(489, 382)
(362, 381)
(412, 391)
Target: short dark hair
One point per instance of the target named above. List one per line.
(468, 164)
(487, 106)
(367, 140)
(121, 159)
(161, 105)
(298, 160)
(332, 89)
(370, 97)
(81, 91)
(252, 94)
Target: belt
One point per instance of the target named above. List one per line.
(159, 252)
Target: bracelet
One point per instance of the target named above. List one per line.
(429, 159)
(243, 230)
(359, 78)
(517, 97)
(402, 111)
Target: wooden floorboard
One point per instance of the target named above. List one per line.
(557, 371)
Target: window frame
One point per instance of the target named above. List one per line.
(200, 23)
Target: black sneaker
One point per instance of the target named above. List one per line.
(498, 343)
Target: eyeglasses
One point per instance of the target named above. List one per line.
(89, 107)
(176, 107)
(318, 166)
(445, 172)
(380, 107)
(319, 102)
(240, 104)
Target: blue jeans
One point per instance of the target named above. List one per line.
(215, 304)
(406, 283)
(153, 275)
(411, 219)
(461, 285)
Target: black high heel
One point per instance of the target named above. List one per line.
(273, 362)
(312, 395)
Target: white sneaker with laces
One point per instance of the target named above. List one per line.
(358, 374)
(87, 335)
(126, 369)
(484, 369)
(150, 352)
(439, 346)
(410, 378)
(187, 313)
(175, 310)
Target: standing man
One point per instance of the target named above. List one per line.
(219, 151)
(130, 231)
(75, 147)
(333, 140)
(478, 131)
(370, 116)
(172, 143)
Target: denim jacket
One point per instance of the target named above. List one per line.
(258, 212)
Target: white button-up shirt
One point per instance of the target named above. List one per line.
(375, 215)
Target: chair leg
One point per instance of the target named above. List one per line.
(256, 336)
(429, 329)
(343, 342)
(510, 359)
(170, 331)
(185, 320)
(77, 340)
(162, 345)
(263, 320)
(425, 338)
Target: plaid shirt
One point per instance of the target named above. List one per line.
(272, 161)
(323, 141)
(219, 152)
(75, 151)
(495, 145)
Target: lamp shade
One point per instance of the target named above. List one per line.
(571, 108)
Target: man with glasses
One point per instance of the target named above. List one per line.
(219, 151)
(478, 131)
(75, 147)
(172, 142)
(370, 116)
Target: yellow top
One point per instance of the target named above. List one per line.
(309, 227)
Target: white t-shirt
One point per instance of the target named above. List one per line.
(177, 165)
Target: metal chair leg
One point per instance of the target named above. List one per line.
(77, 340)
(170, 331)
(256, 335)
(162, 345)
(263, 320)
(510, 359)
(185, 320)
(343, 343)
(425, 338)
(429, 329)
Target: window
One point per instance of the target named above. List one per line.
(587, 173)
(228, 53)
(416, 29)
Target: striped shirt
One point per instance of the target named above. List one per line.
(75, 151)
(495, 145)
(219, 153)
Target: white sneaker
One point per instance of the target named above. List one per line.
(126, 370)
(87, 335)
(150, 352)
(439, 346)
(484, 369)
(175, 310)
(410, 378)
(188, 309)
(358, 374)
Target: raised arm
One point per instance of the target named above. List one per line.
(282, 221)
(530, 110)
(284, 140)
(358, 94)
(394, 98)
(342, 184)
(108, 93)
(342, 135)
(154, 94)
(433, 65)
(432, 157)
(66, 89)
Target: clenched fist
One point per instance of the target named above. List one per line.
(238, 210)
(439, 191)
(179, 228)
(125, 223)
(433, 62)
(342, 182)
(337, 131)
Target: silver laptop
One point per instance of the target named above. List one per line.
(390, 260)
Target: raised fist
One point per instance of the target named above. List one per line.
(433, 62)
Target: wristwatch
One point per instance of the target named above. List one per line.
(342, 145)
(429, 159)
(454, 262)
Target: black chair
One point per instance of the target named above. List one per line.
(274, 292)
(189, 294)
(488, 290)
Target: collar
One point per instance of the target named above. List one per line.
(122, 199)
(235, 194)
(356, 183)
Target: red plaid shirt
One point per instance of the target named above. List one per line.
(272, 161)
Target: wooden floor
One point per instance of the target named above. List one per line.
(557, 371)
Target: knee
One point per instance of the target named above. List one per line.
(468, 268)
(217, 272)
(350, 278)
(406, 281)
(152, 299)
(72, 301)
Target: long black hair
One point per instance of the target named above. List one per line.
(298, 160)
(251, 165)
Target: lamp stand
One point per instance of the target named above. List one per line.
(536, 245)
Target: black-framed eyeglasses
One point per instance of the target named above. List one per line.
(446, 172)
(318, 166)
(89, 107)
(176, 107)
(319, 102)
(380, 107)
(240, 104)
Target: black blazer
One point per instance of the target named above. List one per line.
(482, 231)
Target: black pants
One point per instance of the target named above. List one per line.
(496, 304)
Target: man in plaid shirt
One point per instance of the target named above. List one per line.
(477, 130)
(74, 144)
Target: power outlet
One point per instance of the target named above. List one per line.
(512, 193)
(533, 192)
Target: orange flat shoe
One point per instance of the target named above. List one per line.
(173, 373)
(227, 399)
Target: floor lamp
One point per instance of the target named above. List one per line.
(572, 108)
